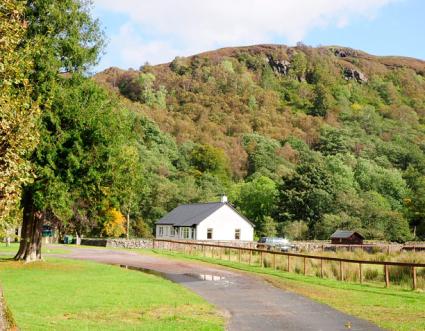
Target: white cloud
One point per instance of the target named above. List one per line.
(134, 51)
(183, 27)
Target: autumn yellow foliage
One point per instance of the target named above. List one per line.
(115, 223)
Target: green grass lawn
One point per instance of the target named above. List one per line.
(392, 309)
(60, 294)
(10, 251)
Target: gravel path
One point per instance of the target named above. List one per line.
(250, 302)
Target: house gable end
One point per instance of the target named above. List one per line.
(232, 209)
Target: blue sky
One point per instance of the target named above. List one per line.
(142, 31)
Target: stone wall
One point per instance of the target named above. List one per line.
(300, 246)
(129, 243)
(120, 242)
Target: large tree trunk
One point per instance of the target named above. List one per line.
(31, 234)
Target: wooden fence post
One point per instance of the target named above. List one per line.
(230, 252)
(274, 261)
(387, 276)
(321, 268)
(239, 255)
(261, 259)
(305, 270)
(360, 273)
(289, 264)
(153, 243)
(341, 271)
(414, 277)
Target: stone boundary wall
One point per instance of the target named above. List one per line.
(129, 243)
(300, 246)
(118, 243)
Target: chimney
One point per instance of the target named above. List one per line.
(223, 199)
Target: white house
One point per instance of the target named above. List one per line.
(205, 221)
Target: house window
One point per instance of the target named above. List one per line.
(186, 233)
(237, 234)
(160, 231)
(209, 233)
(172, 231)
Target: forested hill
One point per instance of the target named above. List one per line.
(304, 140)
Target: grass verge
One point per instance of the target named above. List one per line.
(59, 294)
(392, 309)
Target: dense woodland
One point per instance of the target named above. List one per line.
(303, 140)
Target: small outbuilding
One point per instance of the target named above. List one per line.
(346, 237)
(205, 221)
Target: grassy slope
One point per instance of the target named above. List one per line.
(393, 309)
(62, 295)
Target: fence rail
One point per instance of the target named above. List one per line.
(191, 245)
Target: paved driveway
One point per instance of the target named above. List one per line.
(250, 302)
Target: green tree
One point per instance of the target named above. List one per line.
(306, 195)
(299, 65)
(323, 101)
(207, 158)
(415, 201)
(269, 227)
(69, 42)
(332, 141)
(388, 182)
(71, 160)
(262, 155)
(127, 174)
(19, 113)
(257, 200)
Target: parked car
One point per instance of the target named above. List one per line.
(274, 243)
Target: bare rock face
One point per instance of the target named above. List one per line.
(344, 52)
(279, 67)
(350, 74)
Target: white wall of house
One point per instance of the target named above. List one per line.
(224, 222)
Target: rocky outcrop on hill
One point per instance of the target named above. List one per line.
(279, 66)
(350, 74)
(344, 52)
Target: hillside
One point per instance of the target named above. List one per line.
(304, 140)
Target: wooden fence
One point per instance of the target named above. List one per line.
(246, 255)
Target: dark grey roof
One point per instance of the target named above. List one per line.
(344, 234)
(193, 214)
